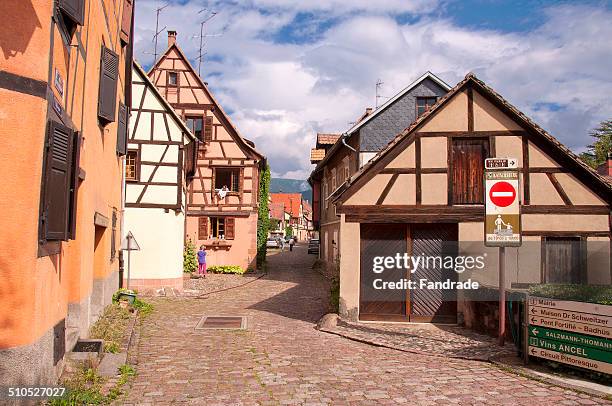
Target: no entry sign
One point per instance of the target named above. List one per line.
(502, 194)
(502, 206)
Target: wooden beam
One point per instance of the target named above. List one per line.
(387, 189)
(470, 109)
(559, 188)
(478, 134)
(549, 233)
(401, 171)
(563, 209)
(417, 154)
(526, 194)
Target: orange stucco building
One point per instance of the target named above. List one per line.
(63, 74)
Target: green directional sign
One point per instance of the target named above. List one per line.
(571, 338)
(572, 349)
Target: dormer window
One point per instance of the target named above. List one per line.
(424, 104)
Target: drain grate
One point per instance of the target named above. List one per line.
(222, 323)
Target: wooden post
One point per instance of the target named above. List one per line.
(502, 295)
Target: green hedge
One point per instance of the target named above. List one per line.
(600, 294)
(263, 216)
(235, 269)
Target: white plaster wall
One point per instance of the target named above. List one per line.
(160, 236)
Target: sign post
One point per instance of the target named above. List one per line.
(574, 333)
(129, 244)
(502, 219)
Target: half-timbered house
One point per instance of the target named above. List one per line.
(160, 159)
(222, 197)
(63, 96)
(424, 190)
(338, 156)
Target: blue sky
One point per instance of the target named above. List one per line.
(287, 69)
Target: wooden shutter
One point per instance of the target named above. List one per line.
(74, 185)
(190, 158)
(229, 228)
(73, 9)
(202, 228)
(468, 170)
(126, 21)
(208, 128)
(107, 96)
(122, 126)
(114, 235)
(56, 186)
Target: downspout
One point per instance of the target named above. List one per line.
(343, 138)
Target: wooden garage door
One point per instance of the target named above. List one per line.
(429, 305)
(381, 240)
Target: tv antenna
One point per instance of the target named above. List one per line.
(209, 16)
(158, 10)
(379, 84)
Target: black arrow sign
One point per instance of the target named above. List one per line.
(533, 320)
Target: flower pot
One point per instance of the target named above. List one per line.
(129, 297)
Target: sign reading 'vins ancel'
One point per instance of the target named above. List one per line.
(502, 205)
(574, 333)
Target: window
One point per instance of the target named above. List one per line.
(228, 177)
(60, 183)
(468, 157)
(424, 104)
(195, 123)
(131, 166)
(172, 78)
(72, 14)
(222, 228)
(564, 260)
(333, 180)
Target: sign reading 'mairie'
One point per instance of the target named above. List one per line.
(502, 206)
(573, 333)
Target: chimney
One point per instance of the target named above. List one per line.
(368, 111)
(606, 168)
(171, 38)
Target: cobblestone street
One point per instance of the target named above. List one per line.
(282, 359)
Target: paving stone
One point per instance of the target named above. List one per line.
(283, 359)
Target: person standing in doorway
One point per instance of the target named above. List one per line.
(202, 262)
(291, 242)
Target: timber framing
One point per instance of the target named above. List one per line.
(530, 133)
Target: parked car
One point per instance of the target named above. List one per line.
(272, 243)
(313, 246)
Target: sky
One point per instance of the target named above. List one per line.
(285, 70)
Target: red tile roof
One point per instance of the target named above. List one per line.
(327, 139)
(291, 202)
(316, 155)
(277, 210)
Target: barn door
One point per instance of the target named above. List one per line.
(468, 157)
(381, 240)
(429, 305)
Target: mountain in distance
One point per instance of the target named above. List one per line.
(278, 185)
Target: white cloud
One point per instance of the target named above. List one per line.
(281, 94)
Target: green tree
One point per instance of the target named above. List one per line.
(288, 231)
(597, 152)
(263, 216)
(190, 260)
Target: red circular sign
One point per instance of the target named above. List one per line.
(502, 194)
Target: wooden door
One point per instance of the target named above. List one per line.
(429, 305)
(468, 157)
(382, 240)
(563, 260)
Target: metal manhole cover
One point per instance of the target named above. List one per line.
(222, 323)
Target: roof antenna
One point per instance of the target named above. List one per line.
(157, 31)
(209, 16)
(379, 84)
